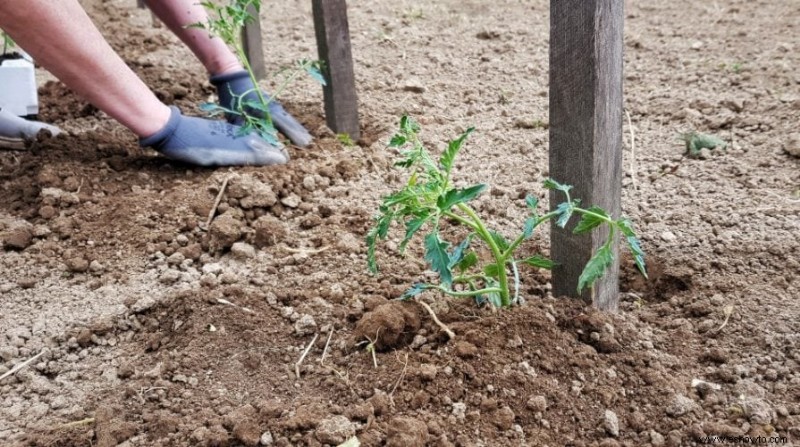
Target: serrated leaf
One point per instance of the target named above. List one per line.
(314, 70)
(530, 225)
(412, 226)
(564, 211)
(415, 290)
(449, 155)
(596, 267)
(470, 260)
(491, 270)
(398, 141)
(626, 228)
(436, 254)
(501, 241)
(552, 184)
(458, 253)
(531, 202)
(539, 261)
(591, 221)
(456, 196)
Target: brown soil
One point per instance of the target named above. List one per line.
(158, 331)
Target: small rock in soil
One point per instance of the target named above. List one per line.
(503, 418)
(414, 85)
(407, 432)
(247, 432)
(335, 430)
(792, 145)
(680, 405)
(224, 231)
(305, 325)
(266, 438)
(269, 231)
(144, 304)
(611, 423)
(243, 250)
(291, 201)
(18, 237)
(77, 264)
(465, 349)
(537, 403)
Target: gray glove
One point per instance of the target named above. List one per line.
(232, 86)
(18, 133)
(207, 142)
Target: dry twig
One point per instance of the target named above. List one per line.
(400, 379)
(303, 357)
(325, 351)
(217, 201)
(22, 365)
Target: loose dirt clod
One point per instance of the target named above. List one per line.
(389, 326)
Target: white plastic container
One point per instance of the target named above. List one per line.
(18, 86)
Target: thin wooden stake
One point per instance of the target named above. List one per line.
(217, 201)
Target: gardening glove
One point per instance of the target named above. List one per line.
(206, 142)
(18, 133)
(231, 87)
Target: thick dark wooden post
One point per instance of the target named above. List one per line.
(333, 44)
(253, 46)
(586, 131)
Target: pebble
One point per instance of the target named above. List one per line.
(266, 438)
(792, 145)
(305, 325)
(77, 265)
(414, 85)
(243, 250)
(680, 406)
(291, 201)
(143, 304)
(668, 236)
(169, 277)
(611, 423)
(335, 430)
(537, 403)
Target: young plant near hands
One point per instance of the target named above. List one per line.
(429, 196)
(227, 23)
(8, 44)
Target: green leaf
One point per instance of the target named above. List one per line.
(456, 196)
(415, 290)
(633, 244)
(458, 253)
(596, 267)
(591, 221)
(532, 202)
(564, 211)
(398, 141)
(470, 260)
(314, 69)
(436, 254)
(409, 125)
(540, 262)
(530, 225)
(501, 242)
(494, 297)
(552, 184)
(449, 155)
(491, 270)
(412, 226)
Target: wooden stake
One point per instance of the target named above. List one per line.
(586, 132)
(333, 44)
(253, 45)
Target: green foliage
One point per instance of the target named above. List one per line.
(8, 44)
(345, 139)
(695, 141)
(227, 22)
(429, 196)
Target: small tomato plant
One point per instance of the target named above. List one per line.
(227, 22)
(429, 196)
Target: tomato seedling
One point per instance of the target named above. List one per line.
(429, 197)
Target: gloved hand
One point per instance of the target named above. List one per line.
(206, 142)
(17, 133)
(233, 85)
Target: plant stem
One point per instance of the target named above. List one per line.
(484, 234)
(461, 220)
(469, 293)
(246, 63)
(521, 237)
